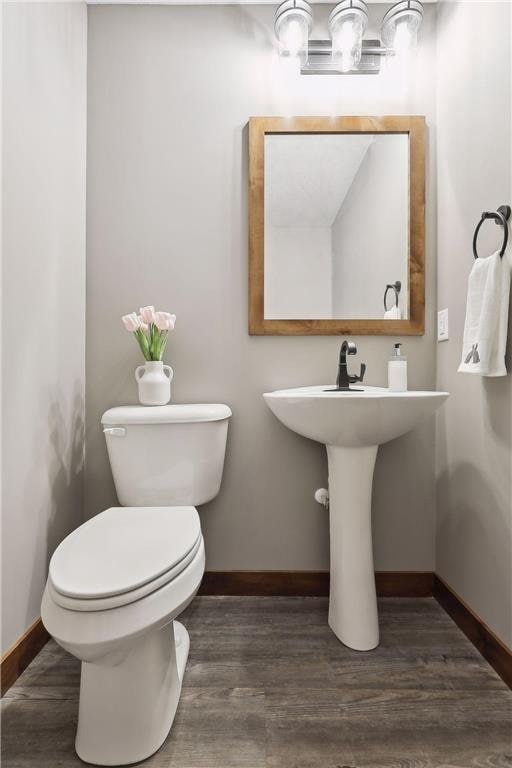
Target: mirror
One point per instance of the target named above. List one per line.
(336, 225)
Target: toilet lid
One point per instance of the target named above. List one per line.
(122, 549)
(165, 414)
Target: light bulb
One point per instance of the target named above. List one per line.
(292, 37)
(347, 24)
(348, 61)
(406, 37)
(400, 27)
(347, 46)
(292, 25)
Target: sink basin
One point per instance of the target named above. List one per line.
(352, 425)
(371, 416)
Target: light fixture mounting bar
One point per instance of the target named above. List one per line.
(320, 60)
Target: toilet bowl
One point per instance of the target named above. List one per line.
(117, 583)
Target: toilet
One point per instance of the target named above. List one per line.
(118, 582)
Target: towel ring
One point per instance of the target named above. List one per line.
(501, 217)
(396, 287)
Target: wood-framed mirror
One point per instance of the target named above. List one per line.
(337, 225)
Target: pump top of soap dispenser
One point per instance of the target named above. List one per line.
(397, 352)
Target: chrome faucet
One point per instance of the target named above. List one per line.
(344, 379)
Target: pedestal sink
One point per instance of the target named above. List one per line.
(352, 425)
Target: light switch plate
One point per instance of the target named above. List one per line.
(442, 325)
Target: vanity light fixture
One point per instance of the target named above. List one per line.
(346, 52)
(292, 24)
(347, 24)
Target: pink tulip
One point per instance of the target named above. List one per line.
(147, 314)
(142, 324)
(164, 321)
(131, 322)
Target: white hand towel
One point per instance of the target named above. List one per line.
(485, 330)
(393, 314)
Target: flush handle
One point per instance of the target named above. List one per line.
(115, 431)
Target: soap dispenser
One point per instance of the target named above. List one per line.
(397, 371)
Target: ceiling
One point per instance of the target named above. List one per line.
(221, 2)
(308, 176)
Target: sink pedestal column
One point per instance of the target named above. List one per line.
(353, 601)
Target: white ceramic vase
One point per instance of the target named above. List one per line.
(154, 380)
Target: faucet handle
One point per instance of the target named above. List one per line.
(354, 378)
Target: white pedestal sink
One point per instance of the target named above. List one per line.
(352, 425)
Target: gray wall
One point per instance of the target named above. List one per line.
(474, 443)
(43, 295)
(170, 91)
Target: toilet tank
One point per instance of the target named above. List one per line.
(168, 455)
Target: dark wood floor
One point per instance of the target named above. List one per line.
(268, 684)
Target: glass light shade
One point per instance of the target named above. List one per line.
(292, 25)
(400, 26)
(406, 35)
(347, 25)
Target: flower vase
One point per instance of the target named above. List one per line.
(154, 380)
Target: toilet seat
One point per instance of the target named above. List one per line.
(122, 555)
(93, 634)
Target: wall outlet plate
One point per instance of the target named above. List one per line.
(442, 325)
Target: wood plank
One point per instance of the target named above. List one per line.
(475, 629)
(266, 583)
(383, 728)
(268, 685)
(404, 583)
(17, 658)
(309, 583)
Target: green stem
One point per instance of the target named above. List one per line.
(143, 343)
(157, 343)
(163, 344)
(154, 342)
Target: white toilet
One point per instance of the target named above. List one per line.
(117, 583)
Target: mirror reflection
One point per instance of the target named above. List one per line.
(336, 226)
